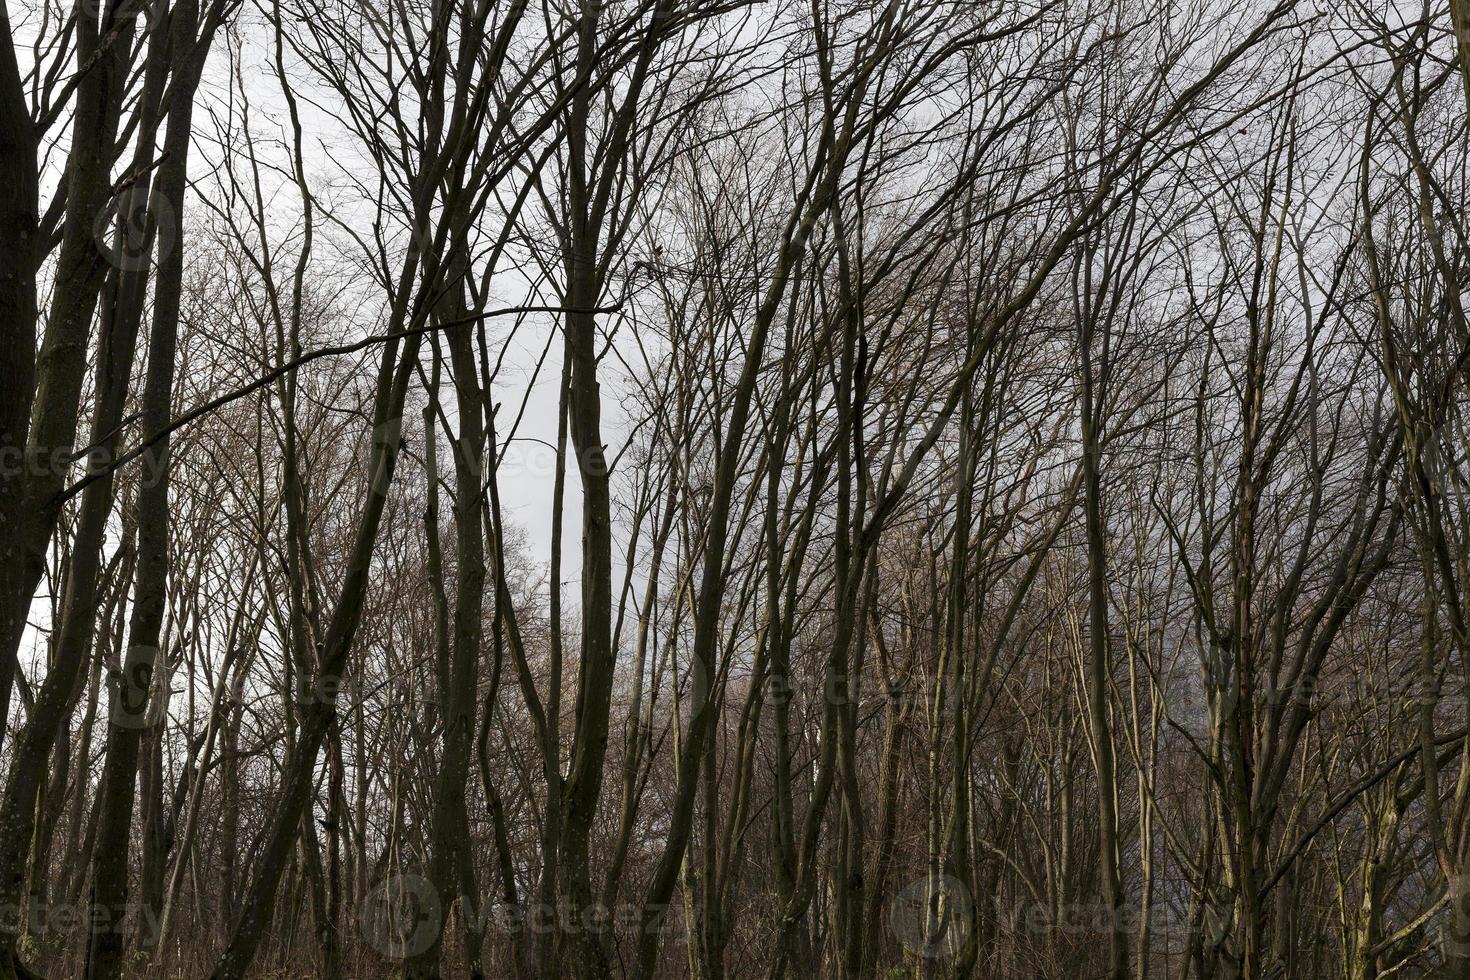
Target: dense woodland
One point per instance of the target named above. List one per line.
(735, 489)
